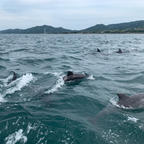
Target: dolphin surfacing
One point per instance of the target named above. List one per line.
(98, 50)
(71, 76)
(119, 51)
(12, 78)
(135, 101)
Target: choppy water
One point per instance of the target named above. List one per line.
(39, 108)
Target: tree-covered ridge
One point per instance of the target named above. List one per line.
(129, 27)
(37, 30)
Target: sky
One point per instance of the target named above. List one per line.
(70, 14)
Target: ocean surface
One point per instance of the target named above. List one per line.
(39, 108)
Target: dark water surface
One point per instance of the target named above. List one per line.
(38, 108)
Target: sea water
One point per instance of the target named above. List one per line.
(39, 108)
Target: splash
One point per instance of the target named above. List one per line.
(91, 77)
(59, 83)
(16, 137)
(110, 136)
(5, 81)
(132, 119)
(54, 73)
(114, 102)
(20, 83)
(30, 127)
(2, 99)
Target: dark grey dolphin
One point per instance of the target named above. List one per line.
(13, 78)
(136, 101)
(119, 51)
(98, 50)
(71, 76)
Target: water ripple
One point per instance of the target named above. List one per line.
(39, 104)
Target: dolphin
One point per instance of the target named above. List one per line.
(71, 76)
(98, 50)
(136, 101)
(119, 51)
(12, 78)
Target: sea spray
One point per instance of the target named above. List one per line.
(2, 98)
(20, 83)
(59, 83)
(130, 118)
(7, 80)
(91, 77)
(114, 102)
(16, 137)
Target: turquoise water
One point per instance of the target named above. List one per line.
(39, 108)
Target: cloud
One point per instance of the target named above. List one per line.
(75, 14)
(34, 1)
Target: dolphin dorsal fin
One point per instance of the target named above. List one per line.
(122, 96)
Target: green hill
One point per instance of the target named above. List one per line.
(37, 30)
(129, 27)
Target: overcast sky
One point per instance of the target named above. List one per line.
(71, 14)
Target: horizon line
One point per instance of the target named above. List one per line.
(72, 29)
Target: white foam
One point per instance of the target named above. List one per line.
(5, 81)
(91, 77)
(15, 137)
(132, 119)
(59, 84)
(114, 102)
(54, 73)
(29, 128)
(20, 83)
(110, 136)
(2, 98)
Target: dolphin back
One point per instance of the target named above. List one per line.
(122, 96)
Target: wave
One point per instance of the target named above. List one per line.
(16, 137)
(3, 53)
(20, 83)
(2, 67)
(2, 99)
(59, 83)
(114, 102)
(91, 77)
(7, 80)
(132, 119)
(36, 60)
(19, 50)
(30, 127)
(4, 59)
(16, 85)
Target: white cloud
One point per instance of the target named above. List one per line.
(34, 1)
(75, 14)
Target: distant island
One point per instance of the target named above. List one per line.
(128, 27)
